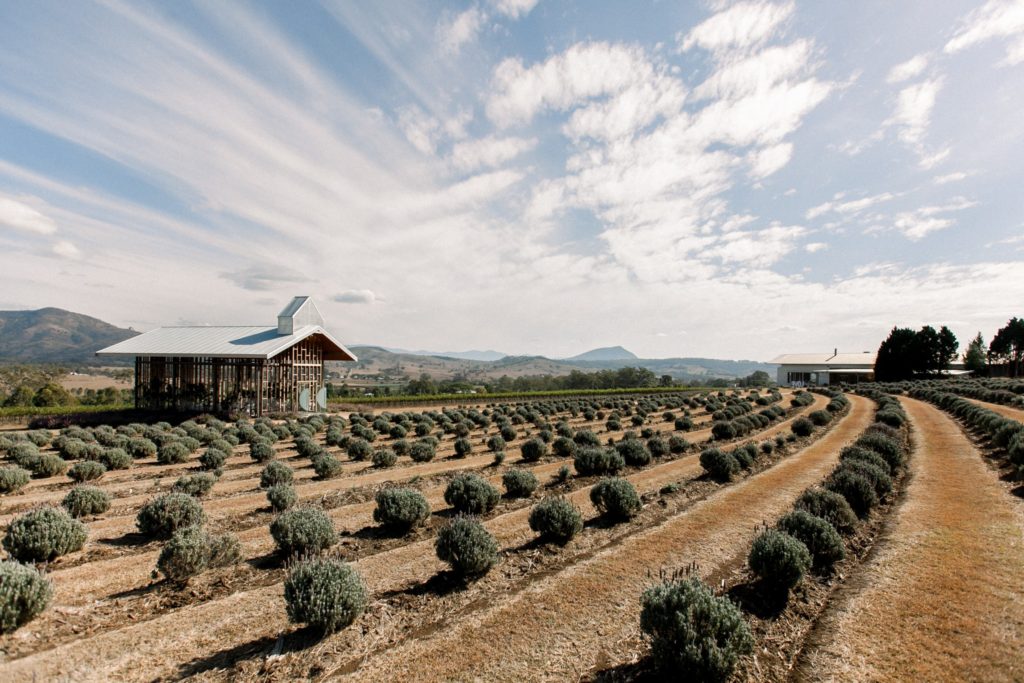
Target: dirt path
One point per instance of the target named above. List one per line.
(1006, 411)
(563, 626)
(943, 598)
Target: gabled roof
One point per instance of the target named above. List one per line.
(830, 360)
(223, 342)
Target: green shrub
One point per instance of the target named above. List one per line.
(564, 447)
(463, 447)
(326, 465)
(193, 550)
(303, 531)
(197, 485)
(496, 444)
(141, 448)
(281, 497)
(677, 444)
(693, 632)
(86, 500)
(857, 489)
(360, 449)
(13, 478)
(831, 507)
(384, 457)
(43, 534)
(657, 446)
(471, 494)
(48, 465)
(212, 459)
(172, 452)
(261, 450)
(890, 449)
(592, 460)
(325, 593)
(400, 509)
(585, 437)
(116, 459)
(24, 594)
(533, 450)
(723, 430)
(634, 452)
(802, 426)
(821, 538)
(556, 519)
(858, 453)
(519, 483)
(820, 418)
(24, 454)
(275, 472)
(562, 475)
(742, 457)
(422, 451)
(508, 433)
(779, 559)
(70, 449)
(877, 475)
(719, 465)
(615, 498)
(40, 437)
(467, 546)
(163, 515)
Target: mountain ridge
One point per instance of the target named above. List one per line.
(56, 335)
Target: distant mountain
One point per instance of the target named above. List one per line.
(53, 335)
(461, 355)
(606, 353)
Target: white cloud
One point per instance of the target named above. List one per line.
(928, 161)
(513, 9)
(20, 216)
(264, 278)
(954, 177)
(461, 29)
(420, 129)
(768, 160)
(908, 69)
(913, 113)
(756, 72)
(994, 19)
(741, 26)
(489, 152)
(759, 248)
(356, 296)
(928, 219)
(66, 249)
(815, 247)
(852, 206)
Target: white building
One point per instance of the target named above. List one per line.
(820, 369)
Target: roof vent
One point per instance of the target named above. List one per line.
(299, 313)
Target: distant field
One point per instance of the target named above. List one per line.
(82, 381)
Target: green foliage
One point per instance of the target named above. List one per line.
(360, 449)
(519, 483)
(193, 550)
(677, 444)
(303, 531)
(858, 453)
(48, 465)
(163, 515)
(693, 632)
(906, 353)
(657, 446)
(384, 457)
(634, 452)
(13, 478)
(779, 559)
(802, 426)
(887, 447)
(261, 450)
(590, 461)
(533, 450)
(422, 451)
(274, 473)
(212, 459)
(820, 418)
(719, 465)
(82, 501)
(400, 509)
(556, 519)
(463, 447)
(115, 459)
(564, 447)
(615, 498)
(43, 534)
(197, 485)
(325, 593)
(723, 430)
(467, 546)
(24, 594)
(830, 506)
(856, 488)
(326, 465)
(821, 538)
(496, 444)
(172, 452)
(281, 497)
(471, 494)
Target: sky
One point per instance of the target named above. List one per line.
(718, 179)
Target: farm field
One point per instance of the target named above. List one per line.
(545, 610)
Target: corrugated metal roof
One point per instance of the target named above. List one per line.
(826, 359)
(221, 342)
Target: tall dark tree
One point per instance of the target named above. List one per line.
(974, 356)
(1008, 346)
(948, 346)
(895, 360)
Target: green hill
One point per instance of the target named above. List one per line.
(53, 335)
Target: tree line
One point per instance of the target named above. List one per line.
(907, 353)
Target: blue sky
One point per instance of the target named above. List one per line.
(726, 179)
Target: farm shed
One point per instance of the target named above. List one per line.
(820, 369)
(253, 370)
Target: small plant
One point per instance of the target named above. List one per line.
(303, 531)
(24, 594)
(693, 631)
(779, 559)
(115, 459)
(593, 460)
(400, 509)
(887, 447)
(87, 470)
(140, 447)
(422, 451)
(325, 593)
(556, 519)
(463, 447)
(281, 497)
(213, 459)
(615, 498)
(163, 515)
(564, 447)
(274, 473)
(802, 426)
(471, 494)
(563, 474)
(467, 546)
(261, 450)
(44, 534)
(360, 449)
(634, 452)
(326, 465)
(82, 501)
(719, 465)
(193, 550)
(384, 457)
(857, 489)
(172, 452)
(499, 458)
(831, 507)
(821, 538)
(196, 485)
(533, 450)
(820, 418)
(48, 465)
(496, 444)
(12, 479)
(519, 483)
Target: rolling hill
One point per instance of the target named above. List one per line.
(606, 353)
(53, 335)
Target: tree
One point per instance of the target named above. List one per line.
(1008, 346)
(665, 381)
(758, 378)
(948, 346)
(53, 395)
(895, 360)
(974, 356)
(21, 397)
